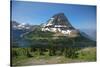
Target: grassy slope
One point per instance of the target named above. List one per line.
(85, 55)
(88, 54)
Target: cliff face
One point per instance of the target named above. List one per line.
(60, 23)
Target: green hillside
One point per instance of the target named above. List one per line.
(52, 49)
(46, 38)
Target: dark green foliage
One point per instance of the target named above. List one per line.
(21, 52)
(71, 52)
(29, 54)
(14, 52)
(52, 51)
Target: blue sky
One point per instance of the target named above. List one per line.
(80, 16)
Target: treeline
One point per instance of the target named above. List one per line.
(52, 51)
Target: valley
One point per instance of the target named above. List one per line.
(56, 41)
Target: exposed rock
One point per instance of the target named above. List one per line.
(60, 23)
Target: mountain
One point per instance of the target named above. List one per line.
(90, 33)
(18, 30)
(60, 23)
(56, 32)
(22, 26)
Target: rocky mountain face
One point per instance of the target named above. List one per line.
(60, 23)
(21, 26)
(18, 30)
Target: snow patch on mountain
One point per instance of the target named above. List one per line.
(60, 23)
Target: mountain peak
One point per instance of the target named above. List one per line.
(60, 19)
(59, 14)
(59, 23)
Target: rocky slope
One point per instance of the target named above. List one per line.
(59, 23)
